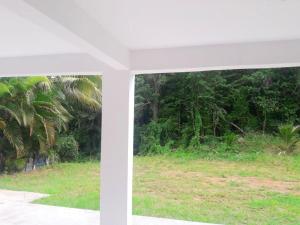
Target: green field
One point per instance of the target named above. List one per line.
(265, 191)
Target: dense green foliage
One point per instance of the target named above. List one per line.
(67, 148)
(84, 103)
(189, 110)
(205, 112)
(36, 111)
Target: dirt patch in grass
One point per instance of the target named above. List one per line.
(285, 187)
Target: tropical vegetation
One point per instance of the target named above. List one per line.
(210, 113)
(36, 111)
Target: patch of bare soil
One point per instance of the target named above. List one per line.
(286, 187)
(257, 183)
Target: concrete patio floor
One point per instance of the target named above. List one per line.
(16, 209)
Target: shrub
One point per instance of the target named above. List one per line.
(67, 148)
(150, 136)
(53, 156)
(230, 138)
(15, 165)
(228, 144)
(289, 136)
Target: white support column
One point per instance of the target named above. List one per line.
(117, 148)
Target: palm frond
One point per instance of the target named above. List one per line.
(13, 111)
(82, 91)
(2, 124)
(4, 89)
(30, 82)
(27, 113)
(12, 132)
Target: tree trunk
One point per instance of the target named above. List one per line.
(156, 83)
(1, 162)
(215, 130)
(34, 161)
(47, 161)
(237, 127)
(264, 123)
(155, 111)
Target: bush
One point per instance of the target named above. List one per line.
(53, 156)
(289, 136)
(233, 147)
(230, 139)
(150, 136)
(67, 148)
(15, 165)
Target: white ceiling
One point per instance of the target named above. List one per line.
(19, 37)
(107, 29)
(143, 24)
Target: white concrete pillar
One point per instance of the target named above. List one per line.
(117, 148)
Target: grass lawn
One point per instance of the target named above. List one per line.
(265, 191)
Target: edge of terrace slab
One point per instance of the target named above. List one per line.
(20, 196)
(16, 209)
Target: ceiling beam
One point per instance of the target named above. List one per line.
(68, 21)
(217, 57)
(60, 64)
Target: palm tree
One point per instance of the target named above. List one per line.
(30, 115)
(82, 98)
(34, 109)
(81, 92)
